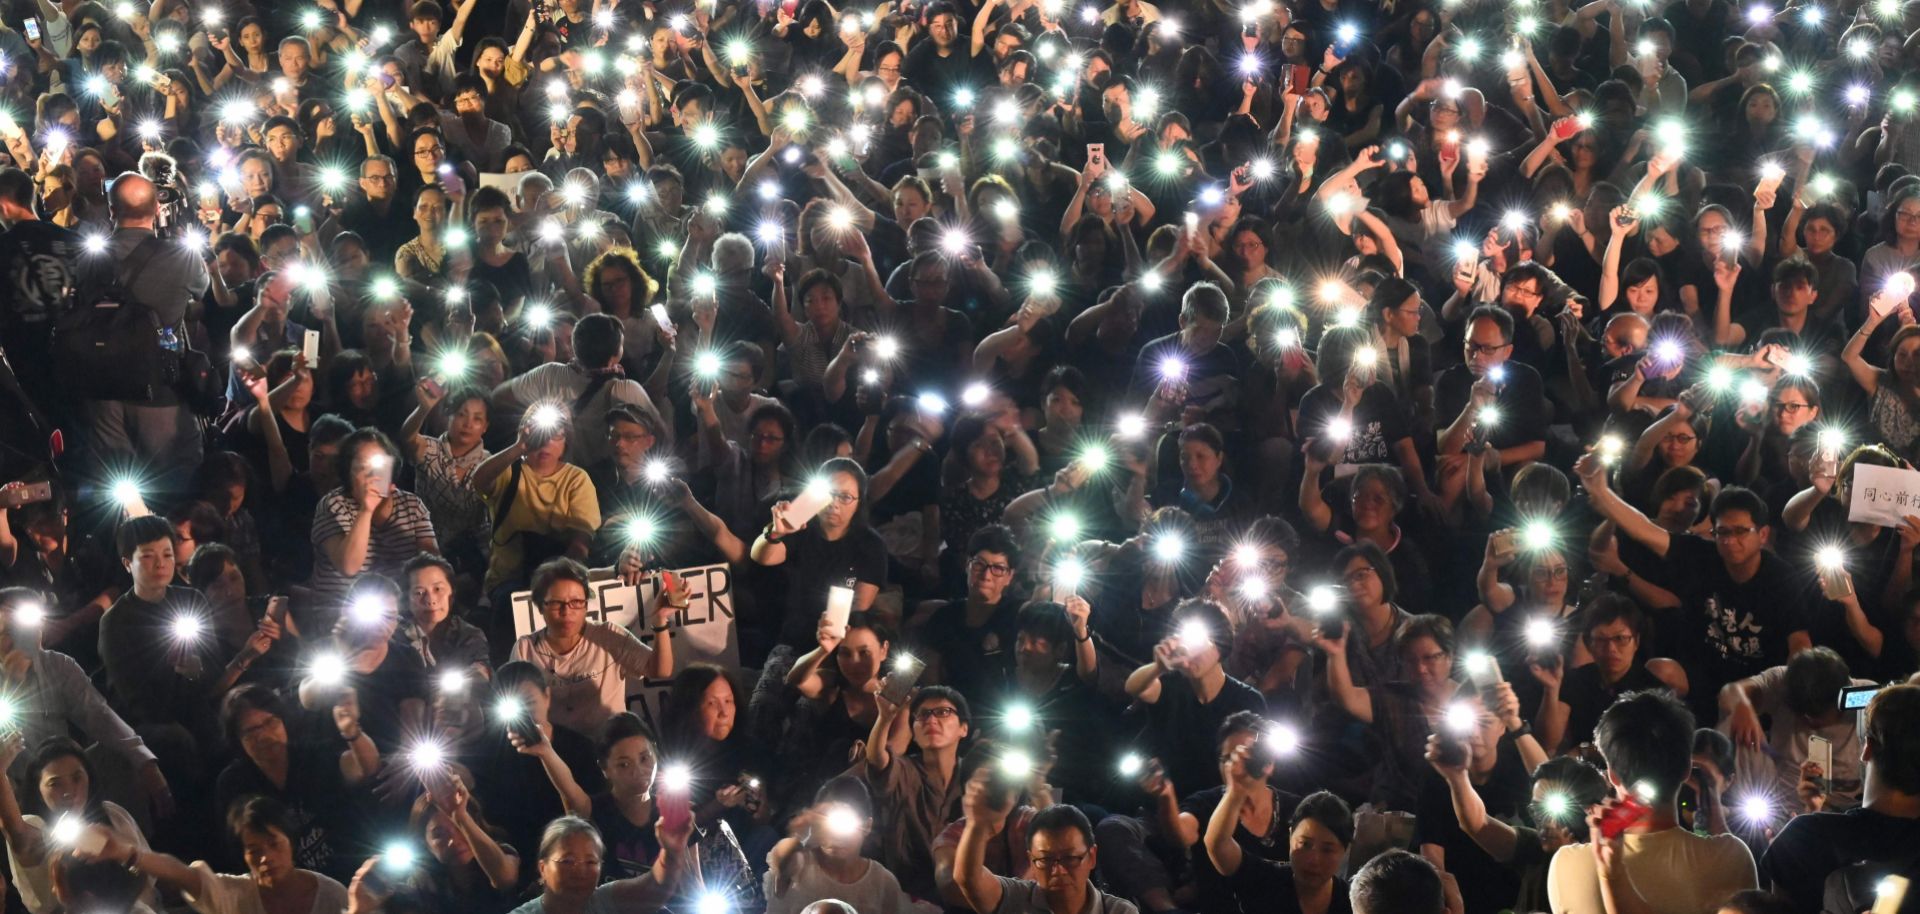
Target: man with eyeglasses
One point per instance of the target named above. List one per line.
(1491, 398)
(651, 522)
(1060, 851)
(1741, 608)
(1572, 700)
(588, 663)
(372, 215)
(968, 638)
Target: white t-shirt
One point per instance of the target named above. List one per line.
(220, 893)
(1777, 768)
(875, 892)
(1675, 870)
(589, 683)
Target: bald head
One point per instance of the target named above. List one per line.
(131, 200)
(829, 906)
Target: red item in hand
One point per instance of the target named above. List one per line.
(1623, 814)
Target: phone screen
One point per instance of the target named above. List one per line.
(33, 29)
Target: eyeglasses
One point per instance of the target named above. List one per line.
(1359, 575)
(554, 606)
(1611, 640)
(1682, 439)
(384, 179)
(1732, 533)
(843, 499)
(1780, 407)
(1528, 291)
(991, 569)
(1062, 861)
(938, 711)
(1907, 215)
(1474, 348)
(429, 151)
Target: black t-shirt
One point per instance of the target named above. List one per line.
(1380, 421)
(154, 676)
(972, 656)
(515, 789)
(1813, 846)
(1522, 402)
(1735, 628)
(317, 802)
(1267, 886)
(631, 849)
(36, 269)
(815, 564)
(1216, 892)
(1587, 695)
(1185, 734)
(1486, 884)
(402, 676)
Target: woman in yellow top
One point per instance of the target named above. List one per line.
(542, 506)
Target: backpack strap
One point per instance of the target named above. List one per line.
(594, 387)
(138, 260)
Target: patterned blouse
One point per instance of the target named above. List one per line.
(442, 481)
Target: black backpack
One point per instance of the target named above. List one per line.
(107, 346)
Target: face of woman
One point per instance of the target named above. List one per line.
(361, 388)
(89, 41)
(1818, 236)
(446, 843)
(429, 596)
(987, 456)
(1250, 249)
(1547, 580)
(1427, 664)
(1906, 360)
(839, 512)
(717, 710)
(1199, 463)
(1680, 509)
(630, 766)
(1644, 296)
(1371, 505)
(573, 867)
(1791, 410)
(253, 38)
(1680, 446)
(64, 785)
(558, 608)
(1363, 583)
(229, 588)
(1063, 406)
(269, 853)
(1315, 852)
(1662, 242)
(822, 306)
(468, 424)
(769, 440)
(1761, 110)
(860, 656)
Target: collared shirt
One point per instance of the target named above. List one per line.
(910, 812)
(1021, 896)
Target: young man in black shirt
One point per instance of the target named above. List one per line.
(1740, 605)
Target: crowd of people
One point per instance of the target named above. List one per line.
(1230, 456)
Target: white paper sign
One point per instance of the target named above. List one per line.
(703, 632)
(1883, 496)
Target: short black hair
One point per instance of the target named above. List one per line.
(1044, 619)
(1794, 268)
(1607, 608)
(554, 571)
(1501, 319)
(1328, 810)
(849, 791)
(994, 538)
(624, 726)
(928, 693)
(1397, 882)
(16, 185)
(1060, 817)
(258, 814)
(1647, 739)
(1814, 679)
(250, 697)
(1893, 730)
(597, 340)
(515, 673)
(135, 532)
(426, 560)
(1735, 498)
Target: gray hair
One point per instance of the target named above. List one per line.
(732, 253)
(391, 168)
(559, 830)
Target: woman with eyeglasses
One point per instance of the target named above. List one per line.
(588, 663)
(1671, 441)
(1893, 392)
(1793, 403)
(837, 548)
(1524, 616)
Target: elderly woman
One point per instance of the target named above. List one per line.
(543, 507)
(272, 882)
(569, 866)
(305, 776)
(589, 663)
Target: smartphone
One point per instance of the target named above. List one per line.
(1855, 698)
(1835, 584)
(839, 608)
(1820, 752)
(810, 502)
(676, 808)
(310, 349)
(1623, 815)
(303, 220)
(1450, 749)
(33, 29)
(1889, 895)
(434, 387)
(1566, 128)
(1097, 155)
(906, 674)
(28, 494)
(522, 725)
(1299, 78)
(1250, 28)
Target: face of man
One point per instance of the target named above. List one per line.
(376, 180)
(469, 104)
(294, 61)
(1061, 859)
(1485, 347)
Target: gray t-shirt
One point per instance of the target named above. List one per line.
(1023, 896)
(174, 277)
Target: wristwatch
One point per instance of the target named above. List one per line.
(1525, 729)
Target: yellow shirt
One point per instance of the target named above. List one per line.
(558, 505)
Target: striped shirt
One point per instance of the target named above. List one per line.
(389, 545)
